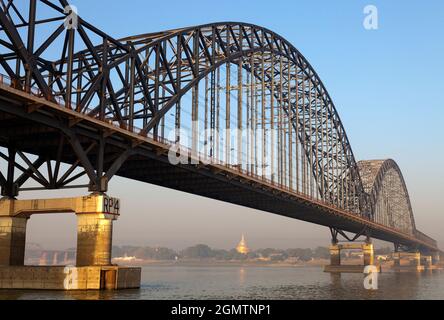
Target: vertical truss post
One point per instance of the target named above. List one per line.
(272, 126)
(79, 84)
(31, 37)
(217, 115)
(178, 85)
(132, 83)
(279, 120)
(228, 110)
(303, 142)
(297, 128)
(207, 100)
(103, 81)
(239, 113)
(195, 98)
(263, 114)
(69, 75)
(290, 128)
(10, 189)
(157, 87)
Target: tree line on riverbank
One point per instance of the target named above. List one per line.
(202, 251)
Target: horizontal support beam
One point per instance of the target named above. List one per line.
(93, 204)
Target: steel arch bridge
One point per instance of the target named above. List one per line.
(241, 111)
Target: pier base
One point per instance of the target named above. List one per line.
(93, 270)
(69, 278)
(347, 269)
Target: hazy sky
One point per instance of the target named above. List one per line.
(387, 85)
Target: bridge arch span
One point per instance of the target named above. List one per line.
(384, 181)
(226, 76)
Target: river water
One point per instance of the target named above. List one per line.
(179, 282)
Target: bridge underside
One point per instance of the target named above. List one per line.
(39, 130)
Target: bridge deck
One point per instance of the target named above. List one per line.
(35, 125)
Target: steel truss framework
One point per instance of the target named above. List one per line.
(208, 80)
(384, 182)
(335, 233)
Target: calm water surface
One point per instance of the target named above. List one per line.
(258, 283)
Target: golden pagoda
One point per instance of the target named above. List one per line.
(242, 246)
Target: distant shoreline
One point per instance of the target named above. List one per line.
(221, 263)
(316, 263)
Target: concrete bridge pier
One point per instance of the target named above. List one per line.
(415, 262)
(427, 262)
(12, 240)
(413, 259)
(431, 261)
(94, 239)
(336, 265)
(335, 255)
(369, 254)
(93, 271)
(436, 258)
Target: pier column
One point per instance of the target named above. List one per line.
(436, 258)
(396, 259)
(95, 216)
(12, 234)
(416, 260)
(12, 240)
(368, 252)
(427, 261)
(94, 239)
(335, 255)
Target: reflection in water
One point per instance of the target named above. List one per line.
(259, 283)
(335, 280)
(241, 277)
(391, 286)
